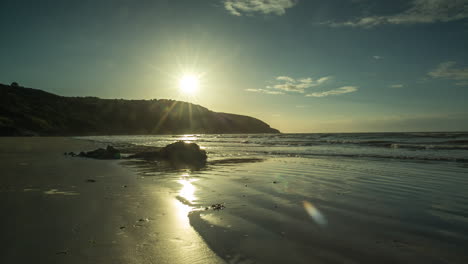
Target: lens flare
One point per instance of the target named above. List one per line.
(316, 215)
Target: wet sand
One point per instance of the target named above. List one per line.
(53, 212)
(369, 212)
(59, 209)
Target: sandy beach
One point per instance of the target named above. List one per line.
(52, 212)
(273, 208)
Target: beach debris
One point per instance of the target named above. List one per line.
(218, 206)
(100, 153)
(63, 252)
(316, 215)
(90, 180)
(57, 192)
(122, 227)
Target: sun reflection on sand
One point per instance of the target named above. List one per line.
(188, 190)
(184, 202)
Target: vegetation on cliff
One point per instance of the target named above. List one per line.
(26, 111)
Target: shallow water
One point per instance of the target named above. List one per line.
(386, 198)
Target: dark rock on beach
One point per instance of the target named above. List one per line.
(184, 153)
(100, 153)
(177, 154)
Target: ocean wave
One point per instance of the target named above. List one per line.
(372, 156)
(430, 146)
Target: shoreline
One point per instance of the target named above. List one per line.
(138, 212)
(55, 214)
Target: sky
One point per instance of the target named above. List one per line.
(299, 65)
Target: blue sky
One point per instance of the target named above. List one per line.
(301, 66)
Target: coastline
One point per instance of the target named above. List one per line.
(54, 214)
(372, 210)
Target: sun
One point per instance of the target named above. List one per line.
(189, 84)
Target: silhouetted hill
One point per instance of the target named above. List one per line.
(26, 111)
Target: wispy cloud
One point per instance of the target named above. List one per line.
(419, 12)
(249, 7)
(376, 57)
(396, 86)
(286, 84)
(265, 91)
(446, 70)
(296, 85)
(338, 91)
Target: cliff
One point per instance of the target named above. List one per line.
(26, 111)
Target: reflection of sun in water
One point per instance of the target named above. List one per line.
(189, 84)
(185, 198)
(188, 190)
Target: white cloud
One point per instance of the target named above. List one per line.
(419, 12)
(290, 85)
(242, 7)
(396, 86)
(338, 91)
(263, 91)
(285, 78)
(297, 85)
(447, 70)
(377, 57)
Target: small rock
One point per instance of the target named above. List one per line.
(218, 206)
(90, 180)
(100, 153)
(63, 252)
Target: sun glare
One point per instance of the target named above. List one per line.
(189, 84)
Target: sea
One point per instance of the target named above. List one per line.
(326, 197)
(443, 147)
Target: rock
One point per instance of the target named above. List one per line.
(147, 155)
(178, 154)
(184, 153)
(90, 180)
(100, 153)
